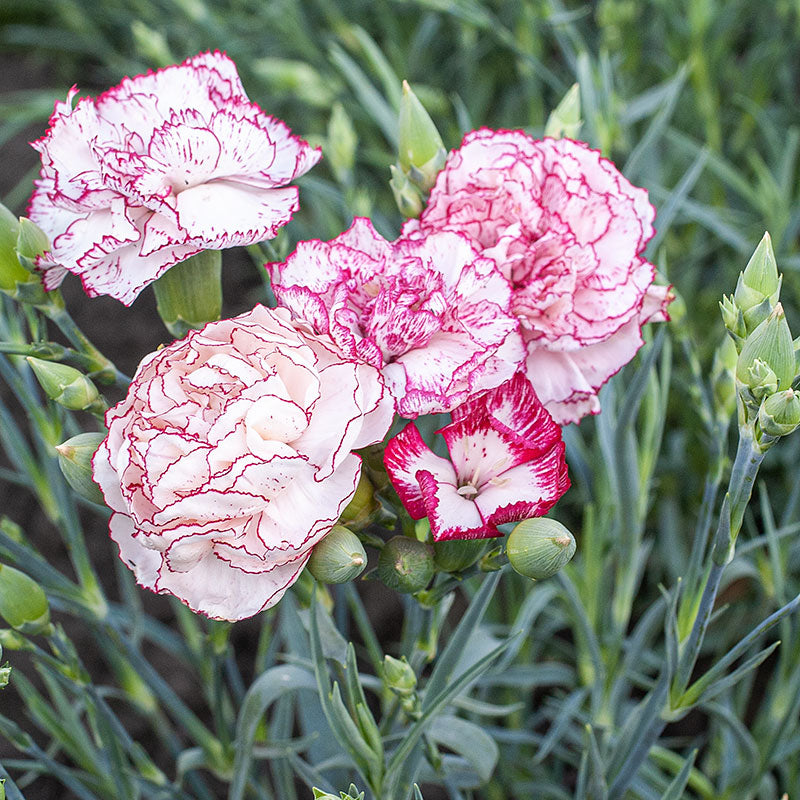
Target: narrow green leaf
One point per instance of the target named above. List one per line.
(676, 788)
(267, 688)
(469, 741)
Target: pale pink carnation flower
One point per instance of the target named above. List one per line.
(433, 314)
(567, 230)
(506, 464)
(230, 458)
(157, 169)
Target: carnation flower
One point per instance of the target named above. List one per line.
(567, 230)
(432, 314)
(506, 464)
(159, 168)
(230, 458)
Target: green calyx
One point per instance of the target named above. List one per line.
(338, 558)
(538, 548)
(406, 565)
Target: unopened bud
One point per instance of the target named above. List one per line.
(5, 674)
(406, 195)
(406, 565)
(723, 384)
(565, 119)
(340, 152)
(338, 558)
(456, 555)
(64, 384)
(11, 271)
(733, 319)
(759, 286)
(75, 460)
(421, 152)
(779, 414)
(32, 242)
(398, 675)
(770, 342)
(538, 548)
(23, 604)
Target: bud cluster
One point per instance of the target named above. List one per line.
(766, 367)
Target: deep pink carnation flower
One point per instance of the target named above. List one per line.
(432, 314)
(567, 230)
(230, 458)
(506, 464)
(159, 168)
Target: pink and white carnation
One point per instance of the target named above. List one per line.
(506, 464)
(159, 168)
(567, 230)
(432, 314)
(230, 458)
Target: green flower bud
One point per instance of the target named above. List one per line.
(565, 119)
(538, 548)
(75, 459)
(65, 384)
(406, 565)
(360, 510)
(406, 195)
(760, 278)
(340, 151)
(733, 319)
(5, 674)
(761, 380)
(770, 342)
(189, 294)
(338, 558)
(32, 242)
(457, 555)
(23, 604)
(779, 414)
(398, 676)
(723, 384)
(11, 271)
(421, 152)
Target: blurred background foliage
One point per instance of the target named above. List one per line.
(697, 100)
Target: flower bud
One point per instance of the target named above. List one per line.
(338, 558)
(23, 604)
(565, 119)
(11, 271)
(189, 294)
(64, 384)
(406, 565)
(538, 548)
(770, 342)
(360, 510)
(733, 319)
(398, 676)
(342, 142)
(723, 384)
(32, 242)
(406, 195)
(75, 460)
(5, 674)
(421, 152)
(779, 414)
(456, 555)
(759, 286)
